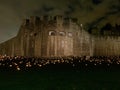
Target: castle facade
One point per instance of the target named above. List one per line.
(54, 36)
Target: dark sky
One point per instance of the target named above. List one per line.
(89, 12)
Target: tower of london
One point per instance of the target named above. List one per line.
(54, 36)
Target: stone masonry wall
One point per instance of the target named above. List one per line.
(49, 36)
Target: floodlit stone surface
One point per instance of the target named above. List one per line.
(53, 36)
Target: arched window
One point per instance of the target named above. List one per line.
(62, 33)
(70, 34)
(52, 33)
(31, 34)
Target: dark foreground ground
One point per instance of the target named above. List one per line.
(95, 73)
(60, 80)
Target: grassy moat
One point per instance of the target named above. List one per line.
(60, 74)
(60, 80)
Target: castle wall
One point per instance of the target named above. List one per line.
(86, 44)
(38, 45)
(106, 46)
(49, 36)
(8, 47)
(59, 46)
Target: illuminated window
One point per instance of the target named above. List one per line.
(31, 34)
(62, 33)
(70, 34)
(52, 33)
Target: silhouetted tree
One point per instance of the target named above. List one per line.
(108, 26)
(117, 27)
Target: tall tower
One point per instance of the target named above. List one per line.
(49, 36)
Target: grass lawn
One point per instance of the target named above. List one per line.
(60, 80)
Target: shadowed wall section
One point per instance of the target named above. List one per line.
(106, 45)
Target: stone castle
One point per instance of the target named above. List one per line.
(54, 36)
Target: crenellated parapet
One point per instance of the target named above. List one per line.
(59, 20)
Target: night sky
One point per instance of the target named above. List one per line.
(89, 12)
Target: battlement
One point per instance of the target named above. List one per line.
(35, 20)
(103, 37)
(26, 22)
